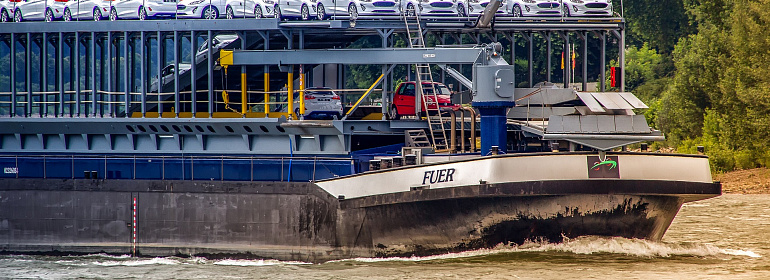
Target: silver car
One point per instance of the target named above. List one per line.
(141, 9)
(86, 9)
(533, 8)
(204, 9)
(577, 8)
(320, 103)
(431, 7)
(249, 8)
(302, 9)
(6, 10)
(48, 10)
(476, 7)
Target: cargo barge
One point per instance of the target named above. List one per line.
(329, 189)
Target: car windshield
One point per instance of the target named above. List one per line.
(442, 89)
(320, 92)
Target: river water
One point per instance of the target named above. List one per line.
(727, 237)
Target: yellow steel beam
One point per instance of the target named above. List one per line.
(267, 95)
(301, 93)
(244, 99)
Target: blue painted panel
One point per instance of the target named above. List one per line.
(88, 164)
(237, 170)
(149, 168)
(207, 169)
(267, 170)
(174, 169)
(58, 167)
(30, 167)
(120, 168)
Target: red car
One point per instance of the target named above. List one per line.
(403, 99)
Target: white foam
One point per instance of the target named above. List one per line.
(587, 246)
(231, 262)
(139, 262)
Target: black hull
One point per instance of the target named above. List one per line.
(444, 226)
(299, 221)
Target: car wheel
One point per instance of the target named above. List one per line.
(67, 15)
(142, 13)
(258, 12)
(516, 11)
(353, 11)
(210, 13)
(296, 113)
(567, 11)
(229, 12)
(277, 11)
(4, 16)
(461, 11)
(393, 113)
(321, 12)
(410, 10)
(17, 17)
(113, 14)
(304, 13)
(48, 15)
(97, 14)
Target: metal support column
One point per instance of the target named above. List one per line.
(110, 72)
(143, 71)
(76, 61)
(385, 35)
(244, 95)
(548, 55)
(567, 60)
(210, 66)
(28, 79)
(301, 78)
(266, 100)
(585, 61)
(193, 74)
(13, 74)
(176, 73)
(60, 72)
(44, 75)
(602, 62)
(159, 52)
(622, 58)
(94, 88)
(126, 86)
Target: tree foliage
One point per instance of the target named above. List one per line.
(718, 97)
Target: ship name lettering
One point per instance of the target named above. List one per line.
(438, 176)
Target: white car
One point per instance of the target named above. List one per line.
(205, 9)
(302, 9)
(168, 75)
(476, 7)
(431, 7)
(141, 9)
(48, 10)
(6, 10)
(249, 8)
(533, 8)
(86, 9)
(320, 103)
(588, 8)
(353, 8)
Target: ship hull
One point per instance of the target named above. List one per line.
(310, 221)
(452, 225)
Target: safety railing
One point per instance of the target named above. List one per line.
(195, 168)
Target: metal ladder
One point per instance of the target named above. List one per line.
(423, 74)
